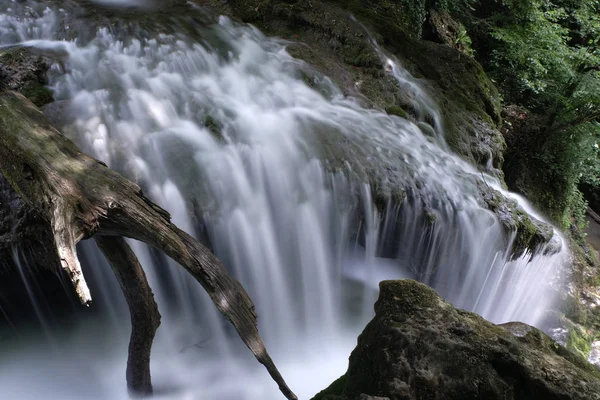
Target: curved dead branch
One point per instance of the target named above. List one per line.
(145, 318)
(81, 197)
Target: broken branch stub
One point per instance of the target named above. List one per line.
(81, 197)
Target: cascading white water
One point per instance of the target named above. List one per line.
(222, 121)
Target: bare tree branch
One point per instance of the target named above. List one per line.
(145, 318)
(80, 196)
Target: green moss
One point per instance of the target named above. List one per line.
(529, 234)
(334, 391)
(579, 342)
(469, 102)
(397, 110)
(340, 49)
(380, 200)
(402, 296)
(398, 196)
(427, 129)
(37, 93)
(582, 319)
(27, 75)
(213, 126)
(11, 56)
(526, 231)
(415, 334)
(365, 58)
(538, 340)
(574, 310)
(431, 217)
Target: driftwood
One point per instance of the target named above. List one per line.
(81, 197)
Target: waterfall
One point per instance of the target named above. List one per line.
(219, 125)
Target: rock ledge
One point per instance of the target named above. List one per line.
(418, 346)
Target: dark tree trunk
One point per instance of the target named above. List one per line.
(145, 318)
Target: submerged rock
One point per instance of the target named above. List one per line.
(418, 346)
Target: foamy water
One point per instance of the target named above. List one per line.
(221, 129)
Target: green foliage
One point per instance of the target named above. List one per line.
(532, 52)
(37, 93)
(562, 159)
(545, 56)
(463, 40)
(590, 166)
(577, 208)
(453, 5)
(589, 178)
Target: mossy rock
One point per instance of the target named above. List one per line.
(580, 304)
(214, 127)
(25, 72)
(37, 93)
(337, 46)
(418, 346)
(397, 111)
(334, 391)
(530, 234)
(579, 341)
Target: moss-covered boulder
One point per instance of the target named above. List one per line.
(420, 347)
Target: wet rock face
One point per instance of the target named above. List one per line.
(323, 34)
(420, 347)
(530, 234)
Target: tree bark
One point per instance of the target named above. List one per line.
(81, 197)
(145, 318)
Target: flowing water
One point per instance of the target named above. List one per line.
(219, 125)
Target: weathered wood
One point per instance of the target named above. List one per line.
(593, 215)
(80, 194)
(145, 317)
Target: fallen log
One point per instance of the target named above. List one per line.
(81, 197)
